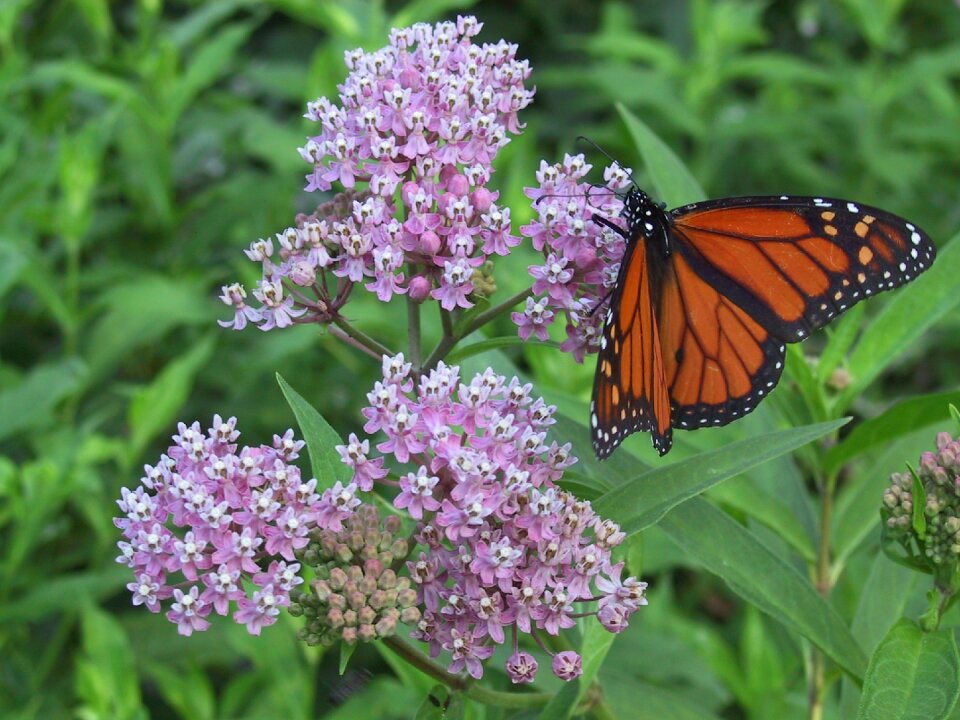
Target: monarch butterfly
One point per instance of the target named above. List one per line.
(708, 294)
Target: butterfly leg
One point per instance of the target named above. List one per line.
(600, 220)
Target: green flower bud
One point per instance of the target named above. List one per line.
(338, 578)
(350, 618)
(337, 601)
(335, 617)
(386, 627)
(322, 590)
(388, 580)
(407, 598)
(378, 599)
(356, 600)
(410, 615)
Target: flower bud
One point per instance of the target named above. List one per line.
(338, 578)
(322, 590)
(458, 185)
(302, 273)
(522, 668)
(419, 288)
(429, 242)
(335, 618)
(410, 615)
(567, 665)
(481, 199)
(349, 635)
(366, 614)
(350, 618)
(367, 632)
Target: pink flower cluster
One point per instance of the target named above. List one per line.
(412, 140)
(582, 258)
(238, 511)
(502, 547)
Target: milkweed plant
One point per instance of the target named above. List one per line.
(448, 534)
(497, 553)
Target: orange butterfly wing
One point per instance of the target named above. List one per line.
(719, 361)
(630, 390)
(696, 338)
(796, 263)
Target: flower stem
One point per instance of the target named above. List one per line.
(371, 346)
(494, 312)
(451, 337)
(413, 330)
(462, 685)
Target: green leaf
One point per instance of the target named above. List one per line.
(37, 395)
(907, 315)
(104, 680)
(913, 675)
(154, 407)
(320, 437)
(593, 650)
(645, 499)
(841, 335)
(672, 181)
(214, 57)
(562, 705)
(754, 572)
(440, 704)
(902, 418)
(476, 348)
(743, 495)
(186, 689)
(346, 652)
(955, 414)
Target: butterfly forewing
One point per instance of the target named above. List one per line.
(796, 263)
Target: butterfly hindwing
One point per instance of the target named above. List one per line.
(796, 263)
(719, 361)
(630, 391)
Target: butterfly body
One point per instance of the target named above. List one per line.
(708, 294)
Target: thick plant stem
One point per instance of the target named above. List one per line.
(470, 689)
(822, 581)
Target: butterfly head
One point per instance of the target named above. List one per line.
(646, 218)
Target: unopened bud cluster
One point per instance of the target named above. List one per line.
(939, 472)
(357, 594)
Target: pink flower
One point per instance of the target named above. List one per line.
(220, 515)
(567, 665)
(522, 668)
(418, 124)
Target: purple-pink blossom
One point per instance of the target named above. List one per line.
(209, 516)
(410, 141)
(502, 549)
(581, 257)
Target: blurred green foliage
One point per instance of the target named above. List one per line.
(144, 144)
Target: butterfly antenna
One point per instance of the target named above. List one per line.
(584, 138)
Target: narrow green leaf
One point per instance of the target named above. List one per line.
(562, 705)
(672, 181)
(906, 316)
(188, 690)
(155, 406)
(320, 437)
(754, 572)
(900, 419)
(645, 499)
(346, 652)
(955, 414)
(36, 396)
(593, 651)
(913, 675)
(440, 704)
(841, 335)
(742, 495)
(476, 348)
(105, 682)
